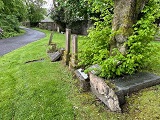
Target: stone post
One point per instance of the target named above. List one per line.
(50, 39)
(74, 56)
(58, 30)
(66, 56)
(52, 47)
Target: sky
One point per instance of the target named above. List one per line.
(49, 4)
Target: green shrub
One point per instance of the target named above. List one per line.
(97, 49)
(10, 25)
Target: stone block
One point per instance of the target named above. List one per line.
(61, 50)
(105, 93)
(131, 83)
(83, 78)
(54, 56)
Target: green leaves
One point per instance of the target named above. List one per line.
(35, 11)
(11, 13)
(97, 49)
(1, 4)
(70, 11)
(9, 24)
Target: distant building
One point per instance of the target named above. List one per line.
(47, 19)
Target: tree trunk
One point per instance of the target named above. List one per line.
(125, 15)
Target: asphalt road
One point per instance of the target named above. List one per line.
(10, 44)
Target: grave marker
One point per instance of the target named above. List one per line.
(58, 30)
(50, 39)
(74, 56)
(84, 79)
(54, 56)
(66, 56)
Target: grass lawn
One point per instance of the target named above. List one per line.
(46, 91)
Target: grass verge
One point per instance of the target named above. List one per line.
(47, 91)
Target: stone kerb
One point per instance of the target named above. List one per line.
(128, 84)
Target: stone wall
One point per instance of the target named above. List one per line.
(80, 27)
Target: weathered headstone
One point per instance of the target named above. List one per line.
(83, 78)
(74, 56)
(50, 39)
(54, 56)
(66, 56)
(52, 47)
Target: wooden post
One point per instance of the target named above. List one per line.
(74, 56)
(66, 56)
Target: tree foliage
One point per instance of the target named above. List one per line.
(35, 10)
(67, 11)
(11, 13)
(97, 49)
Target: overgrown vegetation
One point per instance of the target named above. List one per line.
(114, 63)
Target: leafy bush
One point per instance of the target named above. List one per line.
(11, 13)
(9, 24)
(97, 49)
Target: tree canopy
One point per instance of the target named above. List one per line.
(12, 12)
(35, 10)
(68, 11)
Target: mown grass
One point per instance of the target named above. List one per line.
(47, 91)
(35, 90)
